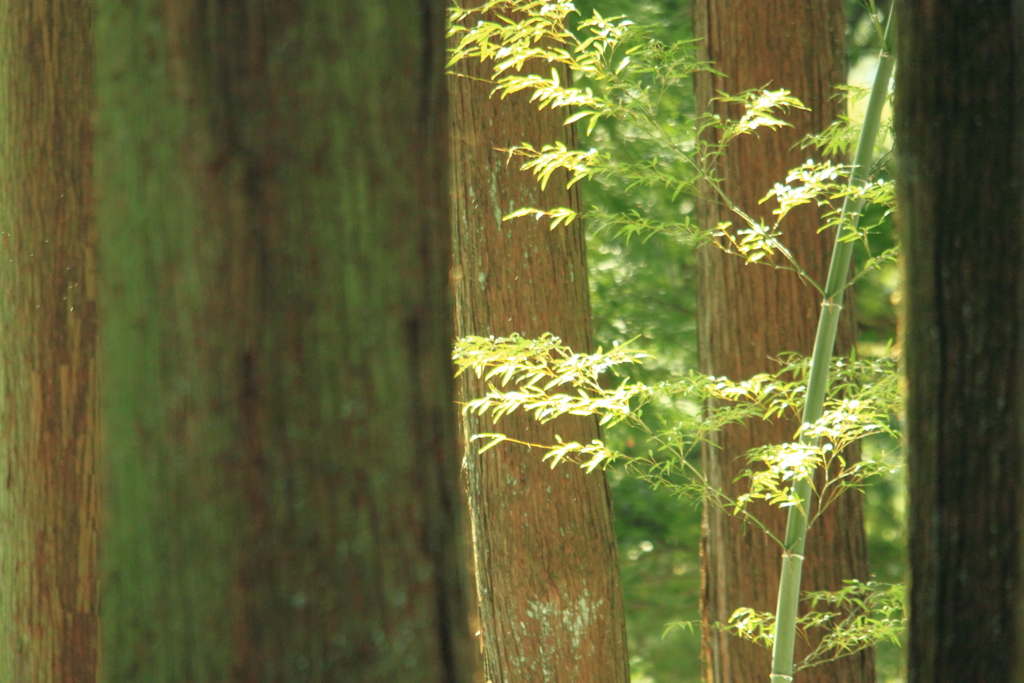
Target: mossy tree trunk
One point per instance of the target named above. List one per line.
(749, 314)
(48, 422)
(550, 601)
(960, 128)
(276, 334)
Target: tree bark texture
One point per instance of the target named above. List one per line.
(49, 506)
(551, 606)
(749, 314)
(960, 128)
(276, 335)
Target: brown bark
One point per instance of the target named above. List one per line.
(48, 428)
(749, 314)
(276, 339)
(960, 127)
(551, 605)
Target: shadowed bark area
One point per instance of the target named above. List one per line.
(961, 163)
(48, 427)
(749, 314)
(276, 340)
(551, 606)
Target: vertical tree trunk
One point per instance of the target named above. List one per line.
(749, 314)
(960, 128)
(551, 605)
(279, 427)
(48, 428)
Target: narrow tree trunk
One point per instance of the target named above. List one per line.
(279, 427)
(551, 605)
(749, 314)
(48, 427)
(960, 128)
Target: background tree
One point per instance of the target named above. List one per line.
(48, 510)
(547, 569)
(960, 127)
(279, 426)
(748, 315)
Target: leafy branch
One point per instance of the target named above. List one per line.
(856, 617)
(633, 79)
(546, 379)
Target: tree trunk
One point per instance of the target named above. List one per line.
(279, 420)
(48, 428)
(960, 127)
(749, 314)
(551, 606)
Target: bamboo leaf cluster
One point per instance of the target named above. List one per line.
(859, 615)
(546, 379)
(635, 81)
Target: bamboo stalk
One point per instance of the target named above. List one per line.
(821, 360)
